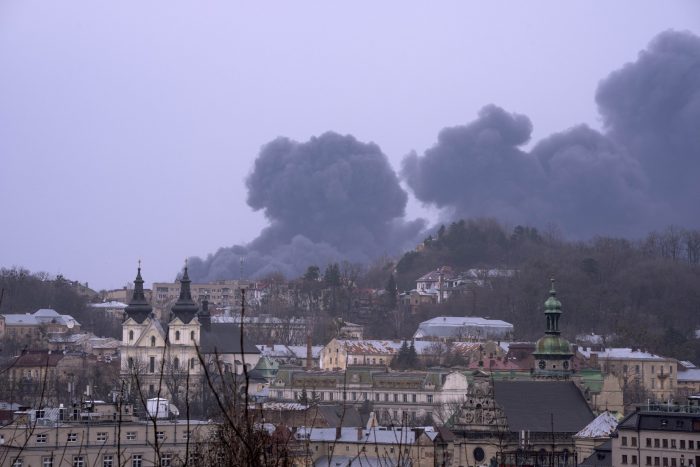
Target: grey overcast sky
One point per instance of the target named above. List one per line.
(127, 129)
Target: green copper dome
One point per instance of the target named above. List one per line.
(552, 345)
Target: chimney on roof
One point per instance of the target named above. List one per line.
(337, 432)
(360, 433)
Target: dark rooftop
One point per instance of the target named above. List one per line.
(543, 406)
(225, 338)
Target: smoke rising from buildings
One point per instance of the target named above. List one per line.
(331, 198)
(334, 198)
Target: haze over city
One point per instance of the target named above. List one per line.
(150, 131)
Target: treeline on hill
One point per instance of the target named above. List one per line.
(643, 293)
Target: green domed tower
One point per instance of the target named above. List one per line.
(552, 352)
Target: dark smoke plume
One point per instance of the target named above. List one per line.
(641, 174)
(329, 199)
(334, 198)
(652, 107)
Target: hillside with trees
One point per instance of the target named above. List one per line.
(641, 293)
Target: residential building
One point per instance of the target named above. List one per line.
(653, 374)
(397, 397)
(340, 354)
(371, 446)
(658, 435)
(99, 434)
(32, 328)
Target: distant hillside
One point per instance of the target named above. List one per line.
(644, 293)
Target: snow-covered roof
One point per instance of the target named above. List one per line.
(110, 304)
(454, 326)
(687, 364)
(288, 351)
(620, 353)
(41, 316)
(372, 436)
(602, 426)
(690, 375)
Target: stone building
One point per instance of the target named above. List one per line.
(529, 420)
(658, 435)
(159, 359)
(396, 397)
(99, 434)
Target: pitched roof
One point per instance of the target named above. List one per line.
(543, 406)
(224, 338)
(601, 457)
(603, 426)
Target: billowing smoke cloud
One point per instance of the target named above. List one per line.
(329, 199)
(477, 169)
(652, 107)
(640, 174)
(334, 198)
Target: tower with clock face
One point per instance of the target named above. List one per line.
(552, 352)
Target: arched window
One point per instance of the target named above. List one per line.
(131, 335)
(192, 335)
(176, 363)
(192, 363)
(177, 335)
(153, 341)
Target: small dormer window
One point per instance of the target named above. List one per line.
(177, 335)
(153, 341)
(192, 335)
(131, 335)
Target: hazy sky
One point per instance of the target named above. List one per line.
(127, 129)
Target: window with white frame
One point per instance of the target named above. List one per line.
(78, 461)
(47, 461)
(136, 460)
(160, 435)
(41, 438)
(72, 437)
(101, 436)
(130, 435)
(17, 462)
(166, 460)
(108, 460)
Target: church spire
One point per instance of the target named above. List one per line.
(552, 310)
(138, 309)
(185, 308)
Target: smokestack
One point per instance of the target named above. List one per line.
(309, 355)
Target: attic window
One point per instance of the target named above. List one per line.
(153, 341)
(131, 335)
(177, 335)
(192, 335)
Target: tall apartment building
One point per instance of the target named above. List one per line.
(99, 434)
(660, 436)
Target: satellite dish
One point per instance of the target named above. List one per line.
(173, 410)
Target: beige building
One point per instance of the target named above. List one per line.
(34, 328)
(340, 354)
(658, 436)
(656, 375)
(219, 293)
(397, 396)
(158, 360)
(365, 446)
(95, 436)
